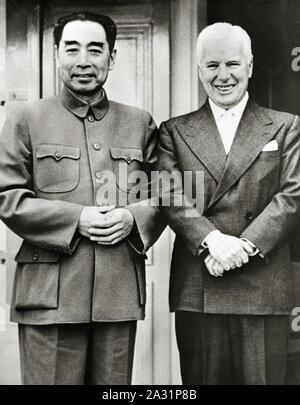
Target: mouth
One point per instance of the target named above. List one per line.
(225, 88)
(83, 75)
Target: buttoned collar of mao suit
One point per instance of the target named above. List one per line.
(81, 108)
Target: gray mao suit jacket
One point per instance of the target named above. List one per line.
(53, 154)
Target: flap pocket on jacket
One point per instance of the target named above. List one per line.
(272, 154)
(127, 154)
(125, 162)
(57, 168)
(57, 151)
(30, 254)
(37, 278)
(37, 286)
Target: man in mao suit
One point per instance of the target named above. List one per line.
(230, 284)
(80, 284)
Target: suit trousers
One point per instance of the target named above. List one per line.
(65, 354)
(220, 349)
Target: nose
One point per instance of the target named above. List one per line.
(83, 60)
(223, 73)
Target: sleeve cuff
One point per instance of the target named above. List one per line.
(204, 245)
(256, 251)
(135, 241)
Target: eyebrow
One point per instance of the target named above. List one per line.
(99, 44)
(237, 60)
(94, 43)
(71, 43)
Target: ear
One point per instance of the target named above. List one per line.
(200, 73)
(112, 59)
(250, 67)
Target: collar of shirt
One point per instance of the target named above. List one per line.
(237, 110)
(81, 108)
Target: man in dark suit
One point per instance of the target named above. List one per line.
(80, 283)
(230, 283)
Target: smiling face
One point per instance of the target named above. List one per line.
(225, 71)
(84, 58)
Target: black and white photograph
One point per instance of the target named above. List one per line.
(149, 195)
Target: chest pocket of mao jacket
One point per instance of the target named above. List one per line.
(125, 162)
(57, 168)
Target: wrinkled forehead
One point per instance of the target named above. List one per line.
(83, 32)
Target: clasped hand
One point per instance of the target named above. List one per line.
(105, 225)
(226, 252)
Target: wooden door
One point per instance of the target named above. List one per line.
(141, 78)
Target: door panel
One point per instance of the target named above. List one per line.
(130, 81)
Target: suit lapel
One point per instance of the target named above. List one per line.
(202, 137)
(256, 129)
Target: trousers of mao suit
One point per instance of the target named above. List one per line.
(62, 354)
(232, 349)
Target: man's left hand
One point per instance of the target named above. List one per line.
(213, 266)
(116, 225)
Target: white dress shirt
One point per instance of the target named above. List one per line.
(228, 120)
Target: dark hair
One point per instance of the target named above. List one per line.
(106, 22)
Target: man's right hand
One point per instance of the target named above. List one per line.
(92, 217)
(226, 249)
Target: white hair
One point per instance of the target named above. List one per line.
(223, 30)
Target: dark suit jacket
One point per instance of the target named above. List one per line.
(252, 193)
(52, 156)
